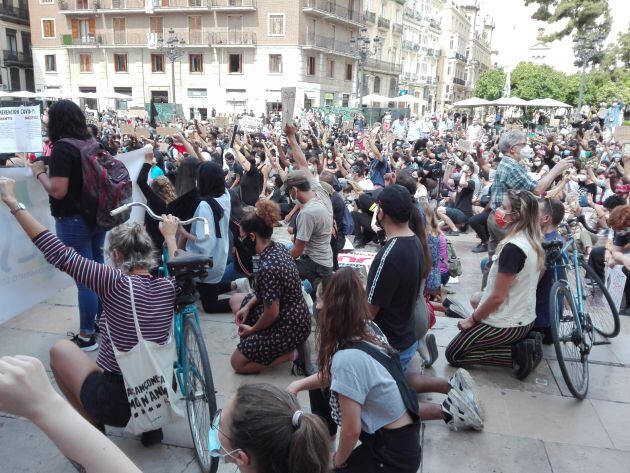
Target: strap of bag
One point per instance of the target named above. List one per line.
(135, 319)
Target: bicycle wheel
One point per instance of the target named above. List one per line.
(596, 300)
(568, 339)
(201, 402)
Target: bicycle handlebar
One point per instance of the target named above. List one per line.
(122, 208)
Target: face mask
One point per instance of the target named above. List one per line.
(499, 217)
(602, 183)
(311, 168)
(537, 163)
(329, 155)
(599, 150)
(214, 444)
(526, 153)
(566, 152)
(271, 186)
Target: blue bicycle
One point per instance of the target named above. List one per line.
(579, 305)
(192, 367)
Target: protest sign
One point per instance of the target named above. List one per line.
(465, 145)
(287, 95)
(143, 133)
(20, 130)
(26, 279)
(615, 283)
(250, 124)
(622, 134)
(167, 130)
(127, 130)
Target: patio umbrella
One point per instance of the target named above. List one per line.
(119, 96)
(510, 102)
(407, 99)
(472, 102)
(23, 94)
(548, 102)
(376, 98)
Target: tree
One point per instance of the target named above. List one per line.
(531, 81)
(575, 15)
(489, 86)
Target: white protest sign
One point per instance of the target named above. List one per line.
(250, 124)
(615, 283)
(20, 130)
(26, 279)
(287, 94)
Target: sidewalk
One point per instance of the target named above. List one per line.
(531, 426)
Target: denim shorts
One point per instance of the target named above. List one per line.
(406, 355)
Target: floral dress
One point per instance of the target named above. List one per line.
(277, 280)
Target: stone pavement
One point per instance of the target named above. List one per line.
(531, 426)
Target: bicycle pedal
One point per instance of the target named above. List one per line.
(602, 342)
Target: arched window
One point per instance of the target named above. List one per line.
(377, 84)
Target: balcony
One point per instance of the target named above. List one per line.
(408, 78)
(369, 16)
(327, 44)
(15, 58)
(397, 28)
(80, 7)
(232, 5)
(331, 11)
(14, 14)
(459, 81)
(410, 45)
(383, 66)
(460, 57)
(383, 23)
(435, 24)
(221, 39)
(433, 53)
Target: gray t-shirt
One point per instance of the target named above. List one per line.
(358, 376)
(314, 226)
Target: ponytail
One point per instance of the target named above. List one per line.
(309, 445)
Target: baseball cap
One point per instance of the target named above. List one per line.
(396, 201)
(295, 178)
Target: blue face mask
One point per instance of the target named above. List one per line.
(215, 449)
(566, 152)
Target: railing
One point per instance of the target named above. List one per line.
(410, 45)
(126, 4)
(229, 38)
(16, 58)
(87, 5)
(383, 22)
(326, 6)
(232, 3)
(377, 64)
(397, 28)
(86, 40)
(409, 77)
(435, 24)
(433, 52)
(328, 43)
(369, 16)
(459, 81)
(460, 57)
(178, 3)
(14, 12)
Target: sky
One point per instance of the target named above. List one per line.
(515, 32)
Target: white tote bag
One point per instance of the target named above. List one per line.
(147, 371)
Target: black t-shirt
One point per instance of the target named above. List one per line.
(434, 168)
(337, 206)
(251, 185)
(393, 284)
(65, 161)
(621, 240)
(512, 259)
(464, 199)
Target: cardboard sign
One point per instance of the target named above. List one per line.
(250, 124)
(167, 130)
(20, 130)
(143, 133)
(287, 95)
(465, 145)
(622, 134)
(127, 130)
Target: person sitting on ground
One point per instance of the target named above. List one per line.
(96, 389)
(496, 333)
(274, 321)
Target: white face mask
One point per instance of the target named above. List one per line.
(527, 152)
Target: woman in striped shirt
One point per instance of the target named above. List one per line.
(97, 390)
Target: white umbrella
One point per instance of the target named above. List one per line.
(407, 99)
(5, 94)
(118, 95)
(52, 94)
(376, 98)
(87, 95)
(472, 102)
(510, 102)
(548, 102)
(24, 94)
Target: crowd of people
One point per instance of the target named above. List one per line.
(398, 189)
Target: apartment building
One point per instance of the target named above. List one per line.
(16, 62)
(421, 52)
(234, 54)
(478, 52)
(384, 18)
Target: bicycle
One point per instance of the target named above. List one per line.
(572, 327)
(192, 367)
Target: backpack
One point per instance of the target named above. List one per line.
(454, 264)
(347, 225)
(106, 184)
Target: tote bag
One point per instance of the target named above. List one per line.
(147, 371)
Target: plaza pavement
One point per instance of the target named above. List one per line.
(531, 426)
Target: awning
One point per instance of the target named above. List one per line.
(236, 97)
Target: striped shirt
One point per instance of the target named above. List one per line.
(154, 299)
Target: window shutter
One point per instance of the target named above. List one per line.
(92, 28)
(75, 29)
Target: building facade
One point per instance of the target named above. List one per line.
(16, 62)
(235, 54)
(479, 51)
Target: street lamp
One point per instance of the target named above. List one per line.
(360, 47)
(587, 45)
(172, 49)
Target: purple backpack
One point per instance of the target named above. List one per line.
(106, 184)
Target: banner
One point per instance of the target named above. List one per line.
(20, 130)
(287, 95)
(26, 279)
(250, 124)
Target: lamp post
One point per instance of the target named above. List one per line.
(363, 48)
(587, 45)
(172, 49)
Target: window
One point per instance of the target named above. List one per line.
(120, 30)
(195, 63)
(120, 63)
(157, 26)
(276, 24)
(451, 43)
(275, 63)
(123, 104)
(197, 92)
(85, 61)
(157, 62)
(310, 65)
(12, 40)
(50, 63)
(345, 100)
(377, 84)
(46, 2)
(331, 69)
(349, 72)
(235, 64)
(48, 28)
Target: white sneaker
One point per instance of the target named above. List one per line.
(464, 383)
(242, 285)
(463, 414)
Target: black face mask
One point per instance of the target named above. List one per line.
(249, 244)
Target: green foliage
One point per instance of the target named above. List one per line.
(530, 81)
(489, 86)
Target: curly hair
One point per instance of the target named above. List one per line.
(163, 188)
(66, 120)
(619, 218)
(134, 244)
(262, 219)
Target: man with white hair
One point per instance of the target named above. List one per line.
(413, 132)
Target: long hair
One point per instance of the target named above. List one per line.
(186, 175)
(163, 188)
(262, 425)
(344, 316)
(432, 226)
(525, 213)
(66, 120)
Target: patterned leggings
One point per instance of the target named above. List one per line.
(485, 345)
